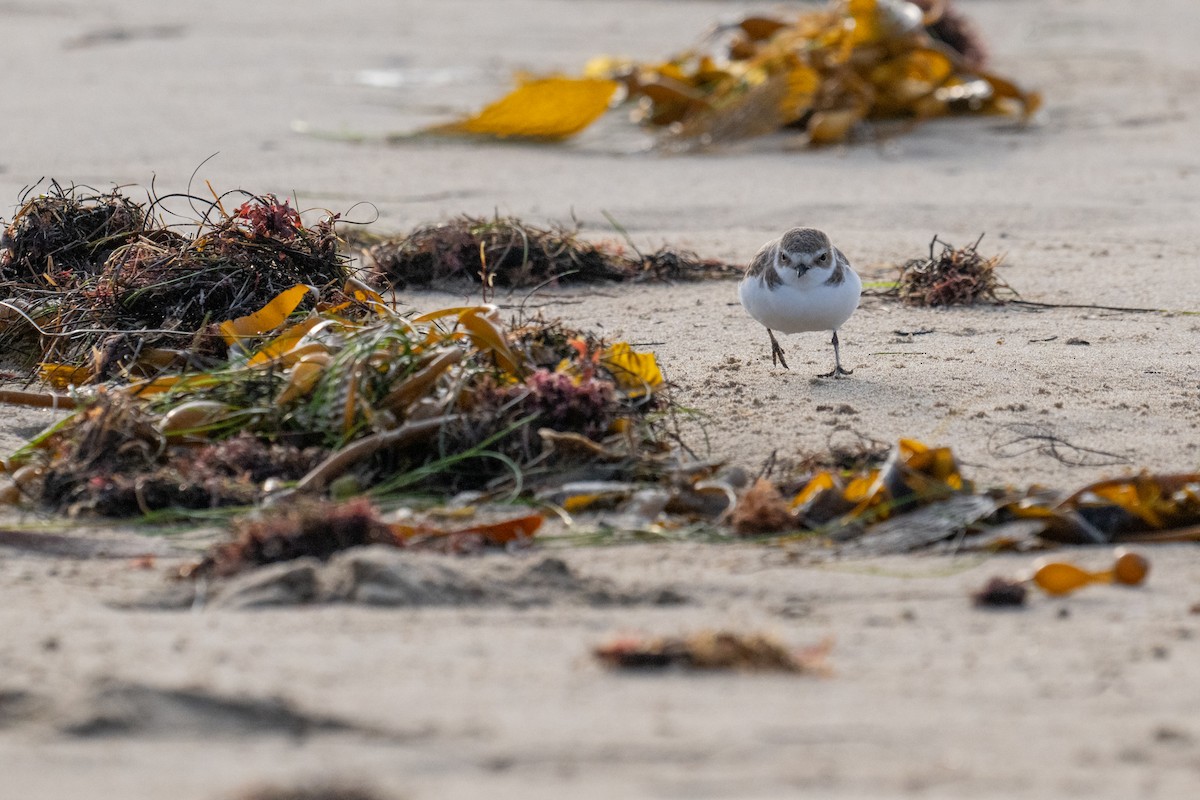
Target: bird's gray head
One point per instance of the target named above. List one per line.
(803, 249)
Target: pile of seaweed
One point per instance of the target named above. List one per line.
(826, 72)
(506, 252)
(951, 276)
(234, 359)
(98, 279)
(345, 401)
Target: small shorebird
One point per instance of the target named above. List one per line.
(801, 282)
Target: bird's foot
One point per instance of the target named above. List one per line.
(776, 352)
(837, 372)
(777, 357)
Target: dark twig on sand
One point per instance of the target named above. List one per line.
(1092, 306)
(1030, 438)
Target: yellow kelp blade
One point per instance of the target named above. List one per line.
(546, 108)
(365, 294)
(874, 22)
(60, 376)
(831, 127)
(821, 482)
(637, 373)
(417, 385)
(267, 318)
(903, 81)
(1158, 501)
(155, 386)
(777, 99)
(484, 331)
(284, 343)
(451, 311)
(302, 377)
(1007, 91)
(487, 335)
(671, 100)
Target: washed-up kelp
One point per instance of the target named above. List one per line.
(714, 650)
(504, 251)
(823, 72)
(319, 528)
(65, 235)
(344, 403)
(1063, 577)
(919, 498)
(98, 282)
(1138, 508)
(951, 276)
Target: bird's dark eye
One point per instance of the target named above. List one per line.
(823, 257)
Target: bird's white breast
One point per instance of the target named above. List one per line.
(801, 302)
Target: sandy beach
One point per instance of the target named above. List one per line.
(109, 691)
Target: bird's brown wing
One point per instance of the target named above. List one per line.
(761, 266)
(838, 275)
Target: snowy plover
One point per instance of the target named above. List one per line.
(801, 282)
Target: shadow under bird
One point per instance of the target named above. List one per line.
(801, 282)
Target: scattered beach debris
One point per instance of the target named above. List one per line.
(762, 509)
(913, 475)
(504, 251)
(1001, 593)
(301, 395)
(1139, 508)
(846, 450)
(318, 529)
(314, 529)
(714, 650)
(958, 519)
(1057, 578)
(952, 277)
(476, 534)
(919, 498)
(822, 72)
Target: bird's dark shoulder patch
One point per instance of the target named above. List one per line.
(838, 276)
(763, 265)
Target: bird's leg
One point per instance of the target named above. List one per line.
(838, 372)
(776, 351)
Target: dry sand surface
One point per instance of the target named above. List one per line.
(433, 694)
